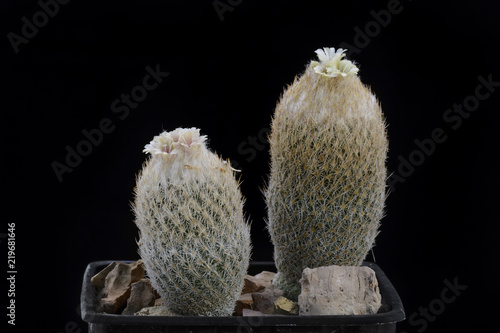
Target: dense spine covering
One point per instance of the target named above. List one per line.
(326, 192)
(194, 239)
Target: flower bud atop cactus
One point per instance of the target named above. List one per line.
(194, 239)
(326, 191)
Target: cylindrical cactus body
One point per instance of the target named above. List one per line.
(326, 191)
(194, 239)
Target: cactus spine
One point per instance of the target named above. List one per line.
(194, 239)
(326, 191)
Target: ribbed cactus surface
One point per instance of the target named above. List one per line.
(326, 191)
(194, 239)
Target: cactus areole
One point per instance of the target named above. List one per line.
(326, 191)
(194, 238)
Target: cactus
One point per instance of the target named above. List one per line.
(194, 238)
(326, 192)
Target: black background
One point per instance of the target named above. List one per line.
(225, 78)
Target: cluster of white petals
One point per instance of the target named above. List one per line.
(331, 64)
(180, 139)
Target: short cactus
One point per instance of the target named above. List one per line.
(194, 238)
(326, 192)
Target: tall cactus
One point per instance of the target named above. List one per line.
(326, 191)
(194, 240)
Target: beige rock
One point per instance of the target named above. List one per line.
(141, 295)
(339, 290)
(251, 285)
(265, 277)
(257, 282)
(158, 302)
(137, 271)
(285, 306)
(263, 301)
(117, 285)
(98, 279)
(253, 313)
(245, 301)
(156, 311)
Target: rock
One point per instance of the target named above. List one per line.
(263, 301)
(141, 295)
(251, 285)
(158, 302)
(156, 311)
(245, 301)
(137, 271)
(339, 290)
(117, 285)
(265, 278)
(285, 306)
(98, 279)
(257, 282)
(253, 313)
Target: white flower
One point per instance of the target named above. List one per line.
(161, 144)
(329, 53)
(346, 67)
(187, 137)
(170, 143)
(331, 63)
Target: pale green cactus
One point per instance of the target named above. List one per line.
(326, 191)
(194, 238)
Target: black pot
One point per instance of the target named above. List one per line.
(385, 320)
